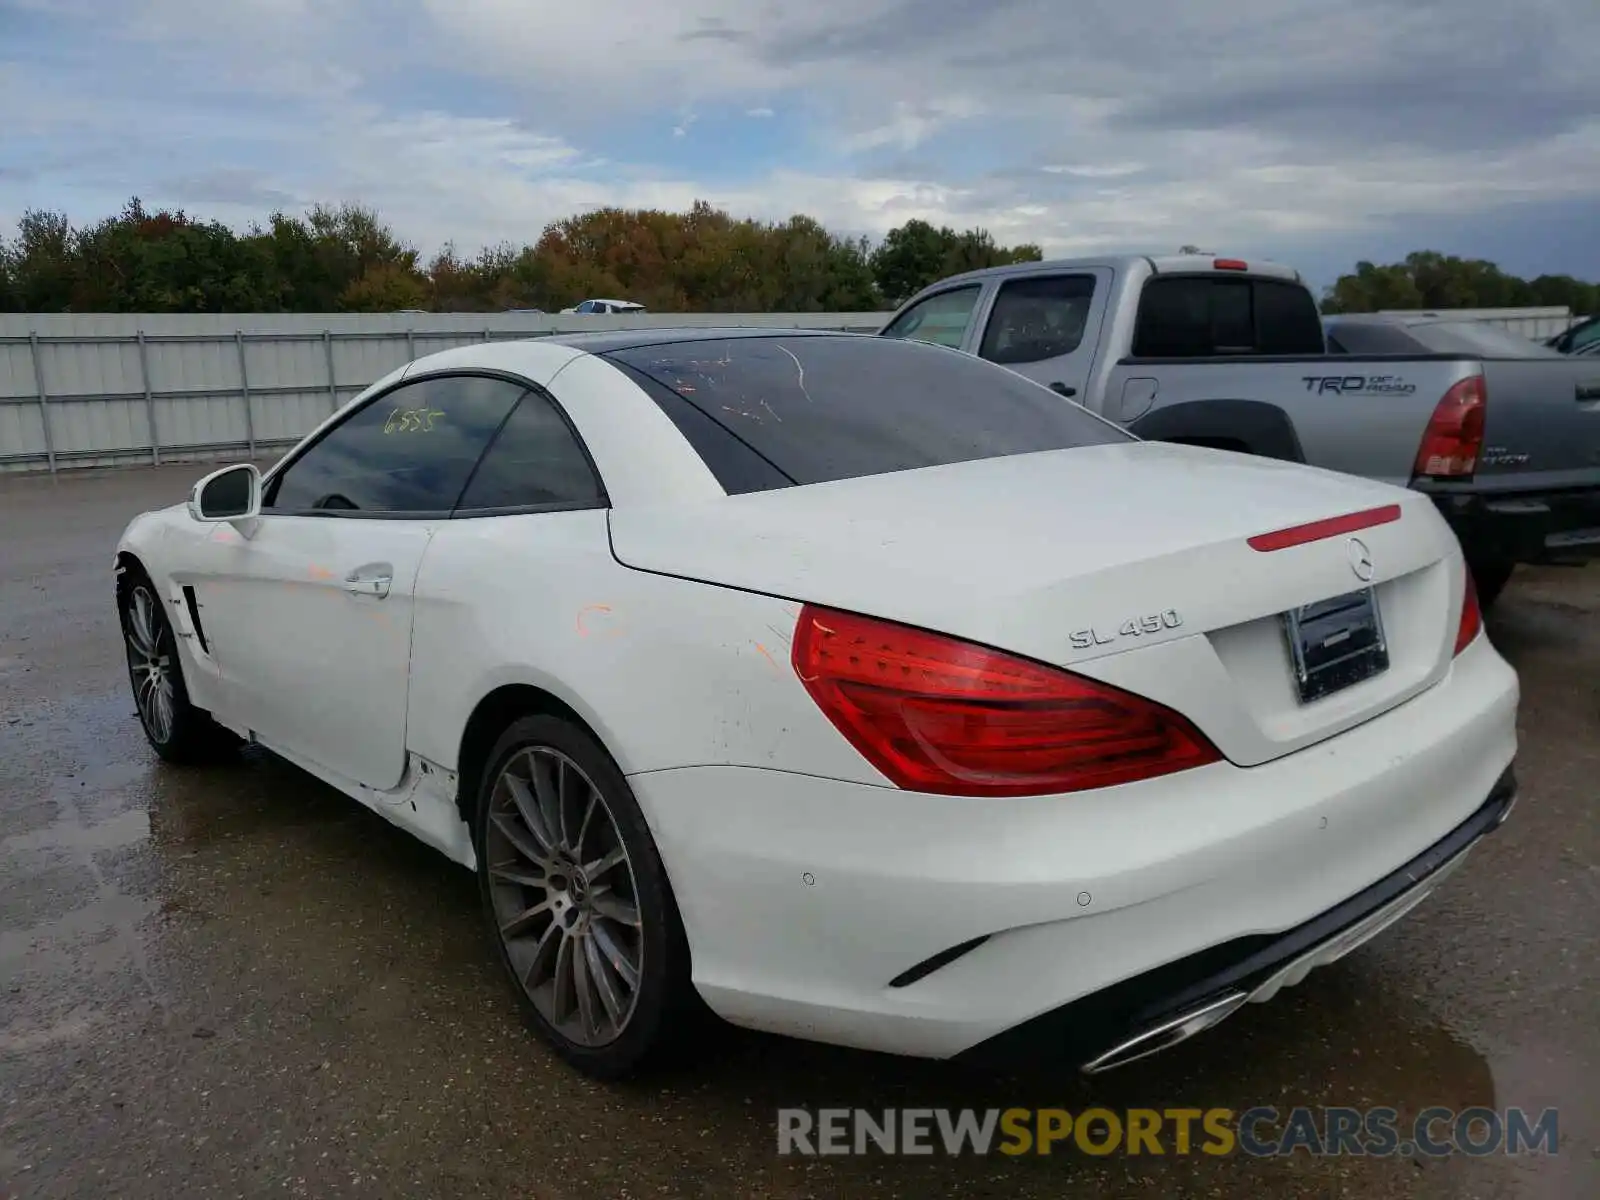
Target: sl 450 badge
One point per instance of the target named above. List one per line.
(1087, 639)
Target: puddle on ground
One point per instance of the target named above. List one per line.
(127, 828)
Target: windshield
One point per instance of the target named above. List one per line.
(801, 410)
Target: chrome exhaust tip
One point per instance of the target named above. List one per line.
(1167, 1034)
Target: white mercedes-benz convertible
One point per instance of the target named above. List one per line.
(860, 689)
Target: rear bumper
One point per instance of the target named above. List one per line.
(1522, 527)
(937, 926)
(1150, 1012)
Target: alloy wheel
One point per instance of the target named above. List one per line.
(150, 665)
(564, 896)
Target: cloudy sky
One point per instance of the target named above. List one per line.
(1310, 131)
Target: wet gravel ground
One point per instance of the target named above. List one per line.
(235, 982)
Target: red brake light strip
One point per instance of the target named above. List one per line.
(1315, 531)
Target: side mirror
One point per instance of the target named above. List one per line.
(231, 494)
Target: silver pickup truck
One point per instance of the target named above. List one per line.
(1232, 354)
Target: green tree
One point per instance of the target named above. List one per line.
(164, 261)
(1428, 279)
(1580, 297)
(916, 254)
(1372, 288)
(910, 257)
(309, 273)
(42, 264)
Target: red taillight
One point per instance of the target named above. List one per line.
(937, 714)
(1454, 437)
(1230, 264)
(1315, 531)
(1471, 615)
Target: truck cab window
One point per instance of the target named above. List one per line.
(1204, 316)
(941, 318)
(1036, 319)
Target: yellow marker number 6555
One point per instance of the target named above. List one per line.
(408, 420)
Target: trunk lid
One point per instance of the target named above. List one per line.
(1129, 563)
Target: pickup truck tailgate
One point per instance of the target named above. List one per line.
(1542, 423)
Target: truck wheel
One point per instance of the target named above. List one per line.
(1490, 580)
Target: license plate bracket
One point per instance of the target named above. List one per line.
(1336, 643)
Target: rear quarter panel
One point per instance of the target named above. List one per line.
(668, 673)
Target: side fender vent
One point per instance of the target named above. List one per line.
(194, 617)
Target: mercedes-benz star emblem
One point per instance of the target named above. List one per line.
(1360, 560)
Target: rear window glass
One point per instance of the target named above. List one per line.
(1203, 316)
(1287, 320)
(816, 409)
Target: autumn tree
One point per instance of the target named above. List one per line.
(345, 257)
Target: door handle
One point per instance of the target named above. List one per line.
(1058, 386)
(371, 585)
(369, 581)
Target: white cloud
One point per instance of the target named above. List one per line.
(1146, 120)
(1096, 170)
(616, 56)
(1140, 123)
(910, 125)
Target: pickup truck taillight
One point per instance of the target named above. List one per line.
(1454, 437)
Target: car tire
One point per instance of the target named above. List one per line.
(558, 914)
(177, 730)
(1490, 581)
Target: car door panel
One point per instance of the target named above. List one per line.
(316, 662)
(529, 527)
(312, 613)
